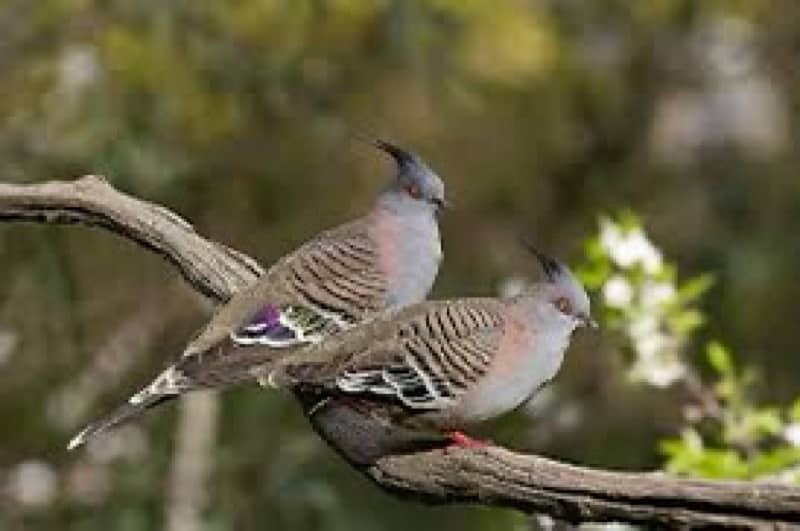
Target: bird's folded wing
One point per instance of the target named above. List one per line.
(424, 357)
(324, 286)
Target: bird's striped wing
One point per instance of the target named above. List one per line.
(427, 357)
(340, 278)
(325, 286)
(329, 284)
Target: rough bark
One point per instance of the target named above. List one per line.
(211, 268)
(489, 476)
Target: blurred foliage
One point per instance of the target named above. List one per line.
(726, 433)
(642, 299)
(739, 439)
(539, 114)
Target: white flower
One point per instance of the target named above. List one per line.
(792, 433)
(33, 483)
(617, 292)
(658, 359)
(610, 235)
(629, 248)
(657, 351)
(655, 294)
(643, 251)
(658, 372)
(653, 345)
(642, 326)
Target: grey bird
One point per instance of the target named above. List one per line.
(444, 365)
(388, 258)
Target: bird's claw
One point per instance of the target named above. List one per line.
(462, 440)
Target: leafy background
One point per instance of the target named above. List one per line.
(542, 116)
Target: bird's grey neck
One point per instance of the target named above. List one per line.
(398, 203)
(417, 219)
(407, 233)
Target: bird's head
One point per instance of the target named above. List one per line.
(563, 290)
(414, 180)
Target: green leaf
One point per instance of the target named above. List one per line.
(695, 287)
(726, 388)
(628, 220)
(593, 250)
(774, 461)
(593, 275)
(688, 456)
(687, 321)
(719, 358)
(760, 422)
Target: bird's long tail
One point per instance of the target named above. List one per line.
(122, 414)
(169, 384)
(210, 371)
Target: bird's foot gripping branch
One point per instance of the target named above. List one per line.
(401, 462)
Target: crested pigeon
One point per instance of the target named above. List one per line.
(387, 258)
(444, 365)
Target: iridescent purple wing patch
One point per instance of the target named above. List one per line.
(285, 326)
(265, 328)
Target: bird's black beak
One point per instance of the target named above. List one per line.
(441, 204)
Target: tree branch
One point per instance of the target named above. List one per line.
(490, 476)
(412, 466)
(211, 268)
(496, 476)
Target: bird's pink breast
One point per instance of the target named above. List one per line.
(409, 253)
(385, 233)
(514, 346)
(512, 375)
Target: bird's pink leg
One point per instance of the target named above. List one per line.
(462, 440)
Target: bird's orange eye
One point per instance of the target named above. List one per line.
(563, 305)
(414, 191)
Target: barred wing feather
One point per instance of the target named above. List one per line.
(431, 360)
